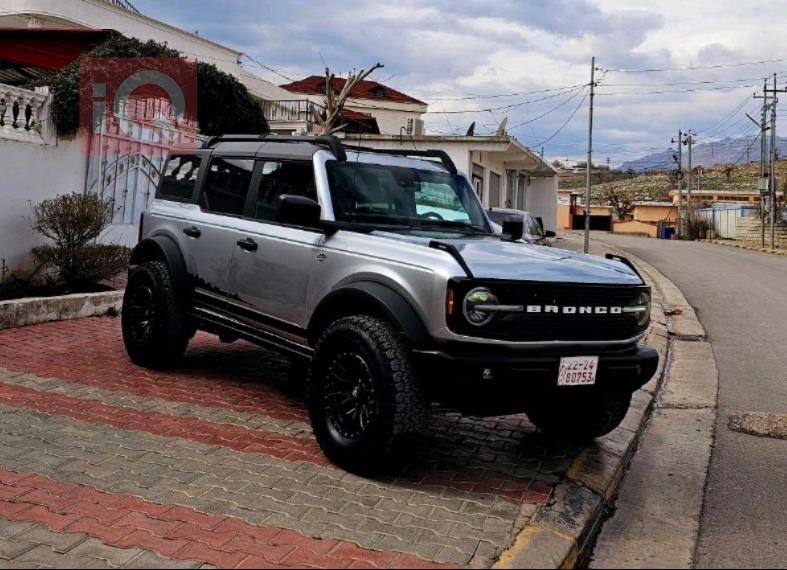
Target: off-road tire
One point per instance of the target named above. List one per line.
(581, 416)
(402, 408)
(168, 334)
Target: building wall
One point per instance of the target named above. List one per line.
(542, 200)
(32, 173)
(391, 116)
(636, 228)
(655, 213)
(95, 14)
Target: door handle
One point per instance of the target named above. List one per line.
(192, 232)
(247, 244)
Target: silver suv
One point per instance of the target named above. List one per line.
(380, 275)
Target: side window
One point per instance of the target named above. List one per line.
(180, 175)
(226, 186)
(534, 226)
(280, 178)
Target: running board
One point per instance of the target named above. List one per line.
(251, 334)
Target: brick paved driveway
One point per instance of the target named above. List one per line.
(103, 463)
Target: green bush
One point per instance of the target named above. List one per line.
(224, 105)
(74, 222)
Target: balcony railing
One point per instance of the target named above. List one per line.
(20, 114)
(292, 111)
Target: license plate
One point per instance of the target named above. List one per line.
(577, 371)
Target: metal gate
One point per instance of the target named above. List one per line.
(126, 157)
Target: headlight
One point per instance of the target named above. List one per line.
(474, 303)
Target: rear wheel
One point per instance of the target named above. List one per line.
(580, 416)
(155, 331)
(365, 402)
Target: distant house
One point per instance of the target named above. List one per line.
(382, 108)
(646, 217)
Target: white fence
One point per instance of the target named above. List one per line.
(724, 219)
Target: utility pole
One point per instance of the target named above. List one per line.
(679, 160)
(764, 128)
(590, 153)
(689, 141)
(772, 178)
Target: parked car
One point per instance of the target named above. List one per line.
(534, 229)
(380, 272)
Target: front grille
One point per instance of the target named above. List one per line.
(539, 327)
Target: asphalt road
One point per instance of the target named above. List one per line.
(741, 299)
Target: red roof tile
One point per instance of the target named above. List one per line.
(366, 89)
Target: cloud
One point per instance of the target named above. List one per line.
(443, 49)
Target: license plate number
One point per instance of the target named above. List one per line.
(577, 371)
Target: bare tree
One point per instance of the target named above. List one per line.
(728, 170)
(326, 125)
(621, 200)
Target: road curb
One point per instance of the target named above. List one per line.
(561, 533)
(738, 245)
(33, 310)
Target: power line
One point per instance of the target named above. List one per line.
(563, 126)
(541, 116)
(500, 95)
(695, 67)
(724, 88)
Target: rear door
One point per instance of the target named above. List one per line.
(273, 263)
(211, 230)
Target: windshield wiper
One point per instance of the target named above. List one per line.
(452, 224)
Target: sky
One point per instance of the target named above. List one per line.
(528, 61)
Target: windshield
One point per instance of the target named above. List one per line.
(400, 197)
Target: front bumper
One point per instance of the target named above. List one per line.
(492, 381)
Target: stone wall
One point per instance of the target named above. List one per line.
(749, 230)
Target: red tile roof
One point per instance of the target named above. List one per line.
(366, 89)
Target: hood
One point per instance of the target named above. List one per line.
(492, 258)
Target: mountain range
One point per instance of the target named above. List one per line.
(725, 151)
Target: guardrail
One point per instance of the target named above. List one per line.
(292, 111)
(20, 114)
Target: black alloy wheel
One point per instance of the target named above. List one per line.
(350, 398)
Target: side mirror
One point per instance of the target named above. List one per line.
(298, 211)
(550, 234)
(513, 228)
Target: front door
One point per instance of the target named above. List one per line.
(271, 274)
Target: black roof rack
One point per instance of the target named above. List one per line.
(331, 142)
(441, 154)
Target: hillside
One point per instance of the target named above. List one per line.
(657, 185)
(727, 151)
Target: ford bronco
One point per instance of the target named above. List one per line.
(379, 273)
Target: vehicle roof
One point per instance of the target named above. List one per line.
(300, 150)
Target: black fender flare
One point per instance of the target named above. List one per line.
(163, 248)
(375, 298)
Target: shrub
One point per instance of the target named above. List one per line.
(74, 222)
(224, 105)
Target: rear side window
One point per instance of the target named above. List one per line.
(535, 227)
(226, 186)
(280, 178)
(179, 178)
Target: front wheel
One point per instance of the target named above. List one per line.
(155, 332)
(365, 402)
(579, 416)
